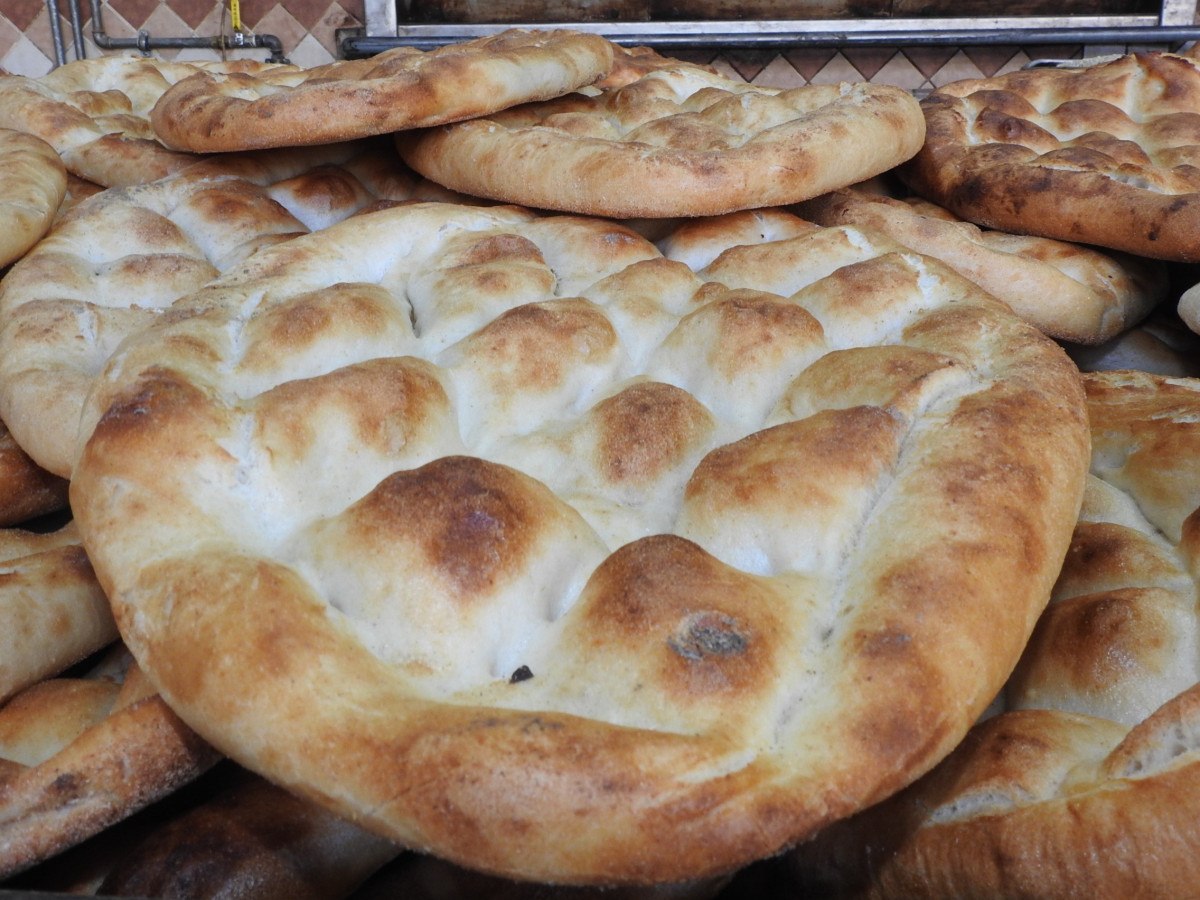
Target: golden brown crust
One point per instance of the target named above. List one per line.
(119, 259)
(1084, 782)
(539, 640)
(52, 612)
(1106, 155)
(400, 88)
(131, 751)
(1067, 291)
(32, 185)
(95, 114)
(677, 142)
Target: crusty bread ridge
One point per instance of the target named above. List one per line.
(646, 554)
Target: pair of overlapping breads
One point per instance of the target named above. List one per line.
(589, 470)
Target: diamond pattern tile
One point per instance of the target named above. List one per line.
(748, 63)
(779, 73)
(135, 12)
(190, 11)
(867, 61)
(928, 60)
(21, 12)
(808, 61)
(280, 22)
(989, 60)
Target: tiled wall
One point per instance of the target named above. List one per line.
(306, 29)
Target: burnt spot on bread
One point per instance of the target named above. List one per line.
(646, 429)
(707, 633)
(702, 628)
(521, 673)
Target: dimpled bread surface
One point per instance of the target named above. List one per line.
(398, 89)
(1105, 154)
(96, 114)
(121, 258)
(517, 542)
(1085, 783)
(676, 142)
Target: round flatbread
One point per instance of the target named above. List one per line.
(79, 754)
(1085, 782)
(1067, 291)
(33, 183)
(52, 611)
(676, 142)
(1106, 154)
(120, 258)
(400, 88)
(95, 114)
(583, 566)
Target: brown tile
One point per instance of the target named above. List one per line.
(989, 60)
(721, 64)
(135, 12)
(869, 60)
(1054, 51)
(193, 12)
(39, 34)
(808, 61)
(254, 10)
(22, 12)
(748, 63)
(325, 31)
(928, 59)
(307, 12)
(280, 23)
(356, 8)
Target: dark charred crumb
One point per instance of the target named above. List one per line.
(522, 673)
(708, 634)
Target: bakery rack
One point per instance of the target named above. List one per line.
(388, 23)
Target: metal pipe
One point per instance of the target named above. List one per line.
(783, 34)
(60, 50)
(145, 42)
(77, 29)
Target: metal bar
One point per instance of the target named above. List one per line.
(146, 42)
(60, 50)
(778, 34)
(77, 29)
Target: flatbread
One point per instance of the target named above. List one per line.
(119, 259)
(1067, 291)
(1085, 783)
(79, 754)
(95, 114)
(400, 88)
(676, 142)
(32, 185)
(52, 612)
(520, 544)
(27, 491)
(1106, 154)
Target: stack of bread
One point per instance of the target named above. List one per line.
(539, 468)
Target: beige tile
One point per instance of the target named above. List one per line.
(779, 73)
(869, 60)
(279, 22)
(748, 63)
(24, 58)
(959, 68)
(1018, 61)
(325, 31)
(197, 54)
(9, 35)
(723, 67)
(310, 53)
(808, 61)
(837, 69)
(164, 22)
(38, 32)
(900, 72)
